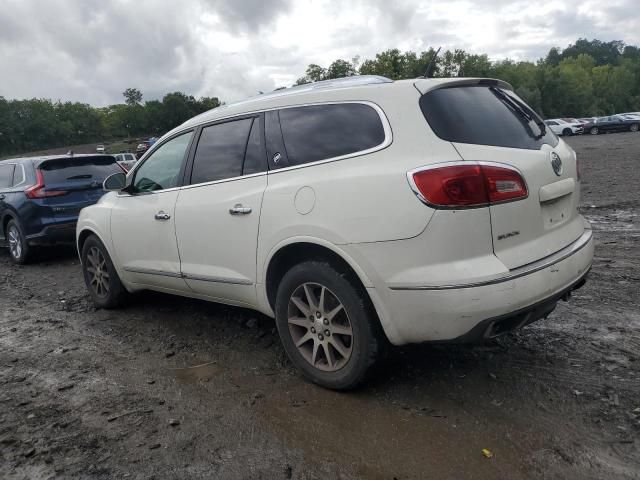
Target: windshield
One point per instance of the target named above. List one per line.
(485, 115)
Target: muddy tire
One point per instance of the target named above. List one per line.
(19, 250)
(327, 326)
(100, 276)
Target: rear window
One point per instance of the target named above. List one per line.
(78, 168)
(479, 115)
(319, 132)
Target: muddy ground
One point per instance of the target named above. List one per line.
(176, 388)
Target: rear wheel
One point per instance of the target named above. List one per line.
(594, 131)
(634, 127)
(100, 275)
(18, 247)
(326, 325)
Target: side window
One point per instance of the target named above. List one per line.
(6, 175)
(220, 151)
(162, 169)
(18, 175)
(319, 132)
(276, 153)
(254, 159)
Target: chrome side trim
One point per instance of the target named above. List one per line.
(206, 278)
(150, 271)
(522, 271)
(203, 278)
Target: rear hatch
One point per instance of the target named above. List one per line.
(72, 183)
(486, 122)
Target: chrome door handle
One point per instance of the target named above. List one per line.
(239, 210)
(162, 216)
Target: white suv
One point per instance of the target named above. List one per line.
(355, 212)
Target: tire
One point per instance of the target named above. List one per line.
(100, 276)
(19, 250)
(350, 356)
(634, 127)
(594, 131)
(567, 132)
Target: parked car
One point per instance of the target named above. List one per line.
(586, 120)
(126, 160)
(142, 148)
(355, 212)
(100, 148)
(41, 197)
(562, 127)
(613, 123)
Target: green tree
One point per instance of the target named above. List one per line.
(132, 96)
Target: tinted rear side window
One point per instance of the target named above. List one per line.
(78, 168)
(319, 132)
(6, 175)
(220, 151)
(477, 115)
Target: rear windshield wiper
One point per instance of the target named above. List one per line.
(521, 109)
(79, 177)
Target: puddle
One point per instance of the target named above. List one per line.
(197, 373)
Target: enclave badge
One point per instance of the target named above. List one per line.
(556, 163)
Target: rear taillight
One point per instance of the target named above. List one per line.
(38, 191)
(467, 185)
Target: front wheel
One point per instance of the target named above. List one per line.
(100, 275)
(327, 326)
(634, 127)
(594, 131)
(567, 132)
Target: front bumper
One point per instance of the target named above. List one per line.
(485, 308)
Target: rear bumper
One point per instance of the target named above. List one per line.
(484, 308)
(55, 233)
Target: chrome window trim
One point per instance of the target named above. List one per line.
(388, 138)
(434, 166)
(224, 180)
(522, 271)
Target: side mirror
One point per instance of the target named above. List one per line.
(115, 182)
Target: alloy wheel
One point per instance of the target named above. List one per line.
(594, 131)
(634, 127)
(15, 242)
(98, 272)
(320, 327)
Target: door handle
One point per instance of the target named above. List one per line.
(162, 216)
(239, 210)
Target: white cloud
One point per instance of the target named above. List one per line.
(91, 50)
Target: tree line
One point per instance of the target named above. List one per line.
(35, 124)
(588, 78)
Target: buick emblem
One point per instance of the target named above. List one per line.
(556, 163)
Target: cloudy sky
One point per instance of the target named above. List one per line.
(91, 50)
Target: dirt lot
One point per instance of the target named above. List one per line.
(175, 388)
